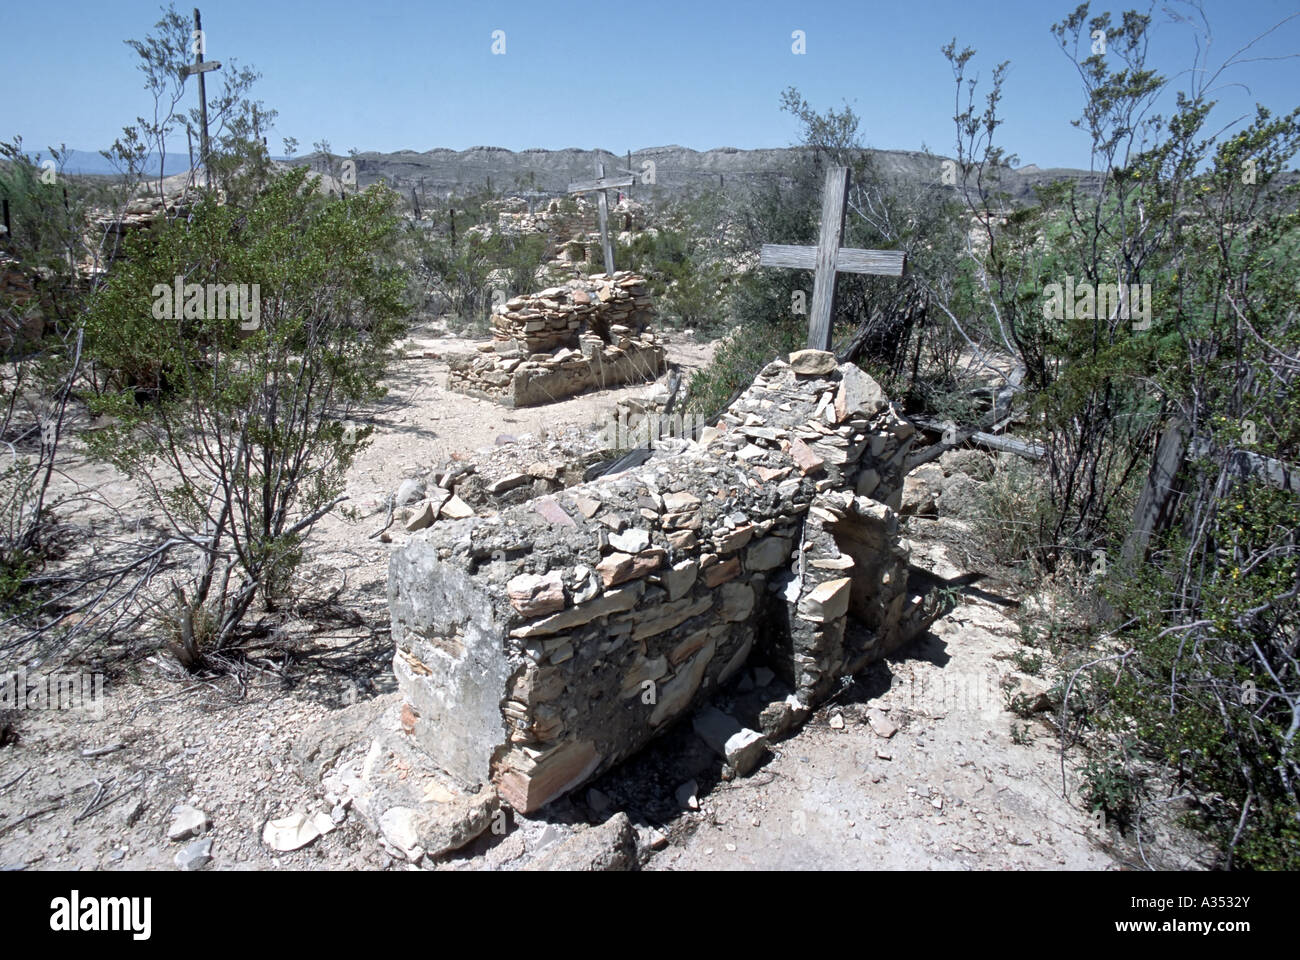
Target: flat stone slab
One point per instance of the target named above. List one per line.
(726, 736)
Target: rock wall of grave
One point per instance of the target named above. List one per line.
(109, 229)
(552, 319)
(587, 334)
(540, 646)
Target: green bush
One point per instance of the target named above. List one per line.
(237, 429)
(738, 359)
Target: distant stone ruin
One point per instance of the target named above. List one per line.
(538, 647)
(587, 334)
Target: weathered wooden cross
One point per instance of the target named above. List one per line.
(829, 258)
(200, 67)
(599, 186)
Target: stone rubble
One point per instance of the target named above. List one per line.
(610, 846)
(295, 831)
(194, 856)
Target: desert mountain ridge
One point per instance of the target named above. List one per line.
(676, 169)
(440, 171)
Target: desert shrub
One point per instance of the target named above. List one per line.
(1198, 672)
(474, 271)
(739, 357)
(1110, 787)
(683, 275)
(242, 440)
(40, 343)
(1010, 507)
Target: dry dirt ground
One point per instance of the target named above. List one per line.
(950, 789)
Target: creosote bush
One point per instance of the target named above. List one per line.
(235, 422)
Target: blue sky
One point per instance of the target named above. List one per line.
(417, 75)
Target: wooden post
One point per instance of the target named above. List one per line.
(9, 230)
(602, 206)
(200, 67)
(203, 97)
(835, 198)
(451, 216)
(599, 186)
(828, 258)
(1152, 511)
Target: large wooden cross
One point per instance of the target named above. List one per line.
(829, 258)
(599, 186)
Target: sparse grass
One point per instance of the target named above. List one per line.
(1028, 661)
(1012, 509)
(738, 359)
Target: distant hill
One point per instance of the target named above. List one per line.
(91, 162)
(439, 172)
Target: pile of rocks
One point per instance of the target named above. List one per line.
(563, 220)
(109, 228)
(516, 470)
(559, 221)
(539, 647)
(587, 334)
(551, 319)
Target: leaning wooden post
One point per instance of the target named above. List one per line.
(1153, 508)
(602, 204)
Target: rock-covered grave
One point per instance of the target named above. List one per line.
(540, 646)
(588, 333)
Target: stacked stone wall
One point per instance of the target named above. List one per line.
(587, 334)
(538, 647)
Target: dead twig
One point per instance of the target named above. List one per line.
(388, 521)
(102, 751)
(6, 786)
(169, 696)
(98, 804)
(99, 793)
(30, 816)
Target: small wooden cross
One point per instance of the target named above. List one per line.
(599, 186)
(199, 67)
(829, 258)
